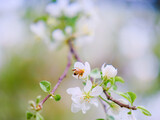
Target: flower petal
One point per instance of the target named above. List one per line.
(94, 101)
(85, 106)
(78, 99)
(103, 96)
(87, 68)
(88, 86)
(103, 69)
(74, 91)
(79, 65)
(75, 107)
(96, 91)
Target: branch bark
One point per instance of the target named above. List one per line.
(118, 102)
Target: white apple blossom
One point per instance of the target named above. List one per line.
(82, 100)
(63, 7)
(68, 30)
(81, 71)
(108, 71)
(58, 35)
(39, 29)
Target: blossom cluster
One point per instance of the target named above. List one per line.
(65, 18)
(83, 99)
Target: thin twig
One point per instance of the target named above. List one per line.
(118, 102)
(73, 50)
(59, 81)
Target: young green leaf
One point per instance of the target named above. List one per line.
(144, 110)
(95, 73)
(45, 86)
(130, 96)
(57, 97)
(39, 117)
(29, 115)
(114, 87)
(100, 119)
(38, 99)
(119, 79)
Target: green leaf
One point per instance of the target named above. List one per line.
(38, 99)
(144, 110)
(39, 117)
(45, 86)
(114, 87)
(57, 97)
(119, 79)
(130, 96)
(100, 119)
(95, 73)
(29, 115)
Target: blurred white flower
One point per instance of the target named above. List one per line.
(39, 29)
(85, 30)
(108, 71)
(61, 7)
(58, 35)
(82, 100)
(68, 30)
(81, 71)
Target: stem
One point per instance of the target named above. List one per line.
(119, 103)
(104, 105)
(59, 81)
(73, 50)
(105, 100)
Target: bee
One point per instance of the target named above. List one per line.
(78, 72)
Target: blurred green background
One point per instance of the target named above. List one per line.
(127, 37)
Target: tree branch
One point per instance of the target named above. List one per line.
(73, 50)
(59, 81)
(118, 102)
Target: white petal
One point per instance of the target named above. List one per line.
(87, 68)
(103, 69)
(78, 99)
(96, 91)
(88, 86)
(79, 65)
(68, 30)
(58, 35)
(115, 108)
(75, 107)
(74, 91)
(110, 71)
(85, 106)
(94, 101)
(39, 28)
(53, 9)
(103, 66)
(103, 96)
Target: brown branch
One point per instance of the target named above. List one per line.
(118, 102)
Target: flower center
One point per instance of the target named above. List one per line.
(87, 97)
